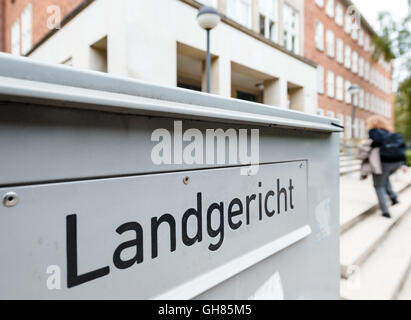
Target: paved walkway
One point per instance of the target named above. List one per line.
(357, 196)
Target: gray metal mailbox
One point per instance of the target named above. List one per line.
(97, 202)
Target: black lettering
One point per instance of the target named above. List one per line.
(137, 243)
(291, 188)
(187, 240)
(220, 230)
(267, 211)
(248, 201)
(260, 204)
(279, 192)
(232, 213)
(155, 223)
(73, 278)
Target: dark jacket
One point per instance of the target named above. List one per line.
(377, 136)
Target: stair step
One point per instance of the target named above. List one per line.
(405, 293)
(361, 240)
(382, 274)
(359, 199)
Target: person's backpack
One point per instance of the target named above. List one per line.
(393, 147)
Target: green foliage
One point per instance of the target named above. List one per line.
(403, 109)
(394, 41)
(408, 154)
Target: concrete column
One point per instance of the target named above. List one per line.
(275, 93)
(220, 73)
(297, 98)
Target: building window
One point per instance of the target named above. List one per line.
(320, 79)
(340, 51)
(26, 29)
(320, 3)
(330, 114)
(340, 118)
(362, 129)
(347, 55)
(367, 101)
(354, 62)
(348, 23)
(361, 38)
(355, 127)
(319, 35)
(367, 71)
(367, 43)
(330, 8)
(361, 97)
(291, 29)
(355, 99)
(340, 89)
(361, 67)
(15, 38)
(320, 112)
(354, 34)
(339, 15)
(330, 84)
(330, 43)
(240, 11)
(268, 19)
(348, 127)
(347, 93)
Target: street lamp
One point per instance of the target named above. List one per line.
(353, 90)
(208, 18)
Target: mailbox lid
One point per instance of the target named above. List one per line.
(25, 80)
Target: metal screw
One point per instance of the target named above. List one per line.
(10, 199)
(186, 180)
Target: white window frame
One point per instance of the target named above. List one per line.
(319, 35)
(291, 29)
(330, 84)
(330, 8)
(319, 3)
(233, 11)
(269, 10)
(340, 88)
(27, 29)
(339, 15)
(347, 56)
(354, 62)
(16, 38)
(320, 79)
(330, 39)
(348, 127)
(348, 99)
(361, 67)
(347, 23)
(340, 51)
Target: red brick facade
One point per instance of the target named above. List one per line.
(2, 21)
(14, 8)
(314, 13)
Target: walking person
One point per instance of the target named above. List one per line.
(392, 154)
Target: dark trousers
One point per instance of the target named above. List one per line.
(383, 186)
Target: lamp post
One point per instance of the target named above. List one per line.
(353, 90)
(208, 18)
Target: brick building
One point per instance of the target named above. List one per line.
(27, 22)
(343, 53)
(317, 32)
(2, 20)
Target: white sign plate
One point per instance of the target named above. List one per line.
(171, 235)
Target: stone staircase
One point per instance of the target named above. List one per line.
(375, 252)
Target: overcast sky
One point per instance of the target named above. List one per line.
(370, 9)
